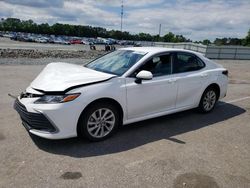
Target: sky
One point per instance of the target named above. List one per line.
(195, 19)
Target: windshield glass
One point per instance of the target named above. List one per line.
(117, 62)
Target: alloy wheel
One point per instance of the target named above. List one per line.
(101, 122)
(209, 100)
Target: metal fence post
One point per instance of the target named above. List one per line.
(235, 53)
(206, 51)
(219, 52)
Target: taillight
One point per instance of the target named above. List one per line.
(225, 72)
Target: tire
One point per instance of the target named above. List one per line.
(94, 127)
(208, 100)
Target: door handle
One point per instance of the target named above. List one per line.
(172, 80)
(204, 75)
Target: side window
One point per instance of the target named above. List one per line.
(158, 65)
(185, 62)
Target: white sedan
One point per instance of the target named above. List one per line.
(122, 87)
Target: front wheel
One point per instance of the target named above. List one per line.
(98, 122)
(208, 100)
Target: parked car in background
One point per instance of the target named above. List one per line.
(111, 41)
(122, 87)
(75, 41)
(125, 42)
(61, 41)
(8, 35)
(137, 44)
(42, 40)
(85, 42)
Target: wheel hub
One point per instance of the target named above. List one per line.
(209, 100)
(101, 123)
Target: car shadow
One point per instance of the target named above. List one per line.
(141, 133)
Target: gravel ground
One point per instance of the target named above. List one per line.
(41, 61)
(34, 54)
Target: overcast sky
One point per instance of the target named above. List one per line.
(195, 19)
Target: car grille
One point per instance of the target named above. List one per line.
(33, 120)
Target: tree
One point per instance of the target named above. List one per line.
(206, 42)
(169, 37)
(222, 41)
(246, 41)
(235, 41)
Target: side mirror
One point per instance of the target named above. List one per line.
(143, 75)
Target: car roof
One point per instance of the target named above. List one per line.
(154, 50)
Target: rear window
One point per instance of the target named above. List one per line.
(185, 62)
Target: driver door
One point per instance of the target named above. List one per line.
(152, 96)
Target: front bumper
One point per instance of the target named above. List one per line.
(50, 121)
(32, 120)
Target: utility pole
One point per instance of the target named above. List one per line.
(159, 33)
(121, 14)
(159, 30)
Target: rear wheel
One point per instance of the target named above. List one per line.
(208, 100)
(98, 122)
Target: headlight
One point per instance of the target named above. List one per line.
(52, 99)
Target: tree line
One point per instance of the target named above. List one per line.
(29, 26)
(17, 25)
(228, 41)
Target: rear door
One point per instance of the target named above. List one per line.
(187, 69)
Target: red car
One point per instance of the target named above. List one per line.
(75, 41)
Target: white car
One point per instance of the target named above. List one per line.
(41, 40)
(122, 87)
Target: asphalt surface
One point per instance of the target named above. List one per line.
(186, 149)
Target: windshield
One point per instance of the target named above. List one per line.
(117, 62)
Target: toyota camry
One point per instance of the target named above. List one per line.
(122, 87)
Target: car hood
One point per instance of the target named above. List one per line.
(58, 77)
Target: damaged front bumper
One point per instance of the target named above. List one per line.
(50, 121)
(32, 120)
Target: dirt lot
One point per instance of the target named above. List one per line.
(179, 150)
